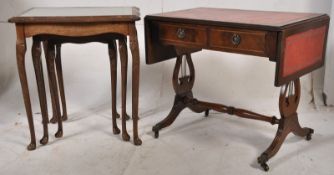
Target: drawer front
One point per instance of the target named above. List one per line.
(182, 34)
(241, 41)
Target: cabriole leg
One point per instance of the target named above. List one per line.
(36, 56)
(135, 82)
(60, 81)
(113, 72)
(124, 69)
(50, 59)
(20, 58)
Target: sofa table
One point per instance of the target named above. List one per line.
(77, 25)
(295, 42)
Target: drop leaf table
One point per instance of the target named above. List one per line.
(295, 42)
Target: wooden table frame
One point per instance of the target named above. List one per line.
(182, 33)
(288, 104)
(68, 27)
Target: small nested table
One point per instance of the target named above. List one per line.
(54, 26)
(295, 42)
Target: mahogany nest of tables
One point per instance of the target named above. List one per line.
(54, 26)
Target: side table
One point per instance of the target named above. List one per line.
(62, 24)
(295, 42)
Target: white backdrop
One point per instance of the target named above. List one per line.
(192, 145)
(329, 80)
(245, 81)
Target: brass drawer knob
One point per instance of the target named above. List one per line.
(181, 33)
(236, 39)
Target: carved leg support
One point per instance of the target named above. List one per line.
(184, 98)
(36, 55)
(113, 71)
(182, 87)
(50, 59)
(20, 58)
(135, 81)
(176, 110)
(288, 104)
(124, 69)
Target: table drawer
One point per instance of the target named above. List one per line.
(182, 34)
(233, 40)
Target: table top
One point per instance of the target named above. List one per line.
(77, 14)
(295, 41)
(249, 18)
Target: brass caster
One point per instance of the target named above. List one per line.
(265, 167)
(155, 129)
(309, 135)
(207, 112)
(262, 160)
(156, 134)
(44, 140)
